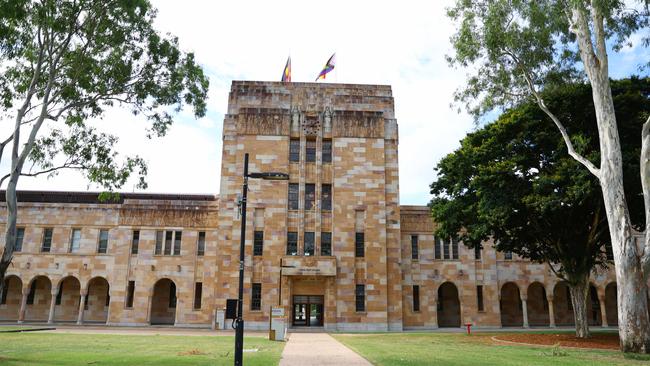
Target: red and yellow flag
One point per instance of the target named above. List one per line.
(286, 74)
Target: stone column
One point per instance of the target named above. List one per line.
(551, 312)
(82, 305)
(603, 311)
(435, 311)
(50, 318)
(524, 310)
(23, 304)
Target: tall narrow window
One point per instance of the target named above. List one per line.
(359, 245)
(200, 244)
(47, 240)
(507, 256)
(198, 294)
(416, 298)
(130, 291)
(102, 248)
(75, 240)
(310, 196)
(59, 295)
(293, 196)
(479, 297)
(172, 295)
(309, 243)
(256, 297)
(159, 242)
(326, 243)
(32, 293)
(445, 249)
(327, 151)
(360, 298)
(415, 253)
(326, 197)
(258, 242)
(177, 242)
(20, 235)
(168, 242)
(437, 248)
(477, 252)
(454, 248)
(294, 150)
(292, 243)
(135, 241)
(609, 252)
(310, 151)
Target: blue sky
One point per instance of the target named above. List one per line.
(397, 43)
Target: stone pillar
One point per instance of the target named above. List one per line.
(435, 312)
(603, 310)
(50, 318)
(551, 312)
(23, 304)
(82, 305)
(524, 310)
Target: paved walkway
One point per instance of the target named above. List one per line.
(306, 349)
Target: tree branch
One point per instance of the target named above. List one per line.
(45, 171)
(599, 34)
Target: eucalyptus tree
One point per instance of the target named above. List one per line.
(514, 49)
(63, 64)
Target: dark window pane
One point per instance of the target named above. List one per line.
(479, 297)
(256, 297)
(445, 249)
(129, 294)
(310, 151)
(47, 240)
(103, 241)
(159, 242)
(454, 248)
(200, 245)
(135, 241)
(294, 150)
(416, 298)
(177, 242)
(438, 248)
(20, 235)
(310, 196)
(414, 247)
(258, 242)
(75, 240)
(168, 242)
(359, 245)
(326, 197)
(507, 255)
(327, 151)
(198, 294)
(326, 243)
(293, 196)
(309, 243)
(172, 295)
(292, 243)
(360, 298)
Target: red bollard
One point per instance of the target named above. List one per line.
(469, 328)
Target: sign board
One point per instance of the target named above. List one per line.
(277, 312)
(305, 266)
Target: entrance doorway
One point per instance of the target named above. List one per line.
(307, 311)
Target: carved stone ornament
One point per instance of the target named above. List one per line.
(311, 126)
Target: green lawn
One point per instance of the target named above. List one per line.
(33, 348)
(458, 349)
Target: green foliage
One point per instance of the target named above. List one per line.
(512, 180)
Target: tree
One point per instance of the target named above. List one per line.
(512, 181)
(64, 63)
(517, 48)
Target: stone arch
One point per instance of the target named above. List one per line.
(97, 300)
(163, 302)
(11, 297)
(562, 306)
(39, 298)
(511, 306)
(66, 302)
(594, 314)
(537, 305)
(448, 305)
(611, 305)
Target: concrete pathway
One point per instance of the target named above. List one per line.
(307, 349)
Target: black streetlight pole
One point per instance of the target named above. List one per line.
(239, 329)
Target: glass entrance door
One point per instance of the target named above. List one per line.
(307, 311)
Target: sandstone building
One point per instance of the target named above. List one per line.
(332, 245)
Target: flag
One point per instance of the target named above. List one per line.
(286, 74)
(329, 66)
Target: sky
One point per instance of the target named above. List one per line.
(399, 43)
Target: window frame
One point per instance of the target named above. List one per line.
(256, 297)
(200, 244)
(294, 156)
(18, 248)
(198, 296)
(416, 298)
(312, 242)
(326, 234)
(293, 198)
(99, 241)
(310, 150)
(359, 244)
(360, 298)
(310, 197)
(290, 236)
(326, 152)
(415, 249)
(71, 247)
(480, 301)
(130, 294)
(47, 230)
(258, 242)
(135, 242)
(326, 199)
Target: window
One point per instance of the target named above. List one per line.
(293, 196)
(479, 297)
(169, 235)
(360, 298)
(294, 150)
(454, 248)
(309, 243)
(310, 196)
(177, 242)
(32, 293)
(416, 298)
(198, 294)
(414, 247)
(609, 252)
(47, 240)
(103, 241)
(135, 241)
(326, 197)
(130, 290)
(159, 243)
(258, 242)
(327, 151)
(20, 235)
(172, 295)
(310, 151)
(59, 295)
(359, 245)
(438, 248)
(507, 256)
(200, 245)
(477, 252)
(256, 297)
(445, 249)
(326, 243)
(292, 243)
(75, 240)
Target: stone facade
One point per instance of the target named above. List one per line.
(331, 245)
